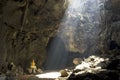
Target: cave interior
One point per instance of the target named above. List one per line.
(59, 39)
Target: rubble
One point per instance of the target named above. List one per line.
(91, 64)
(96, 68)
(102, 67)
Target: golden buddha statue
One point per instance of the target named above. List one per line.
(33, 66)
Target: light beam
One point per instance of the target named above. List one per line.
(79, 32)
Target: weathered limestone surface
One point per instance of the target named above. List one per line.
(25, 29)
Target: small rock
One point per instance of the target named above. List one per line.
(63, 73)
(77, 61)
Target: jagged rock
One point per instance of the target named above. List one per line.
(109, 72)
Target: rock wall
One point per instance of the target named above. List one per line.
(110, 34)
(26, 27)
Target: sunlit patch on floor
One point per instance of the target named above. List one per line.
(49, 75)
(91, 64)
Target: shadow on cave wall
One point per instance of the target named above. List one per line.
(58, 57)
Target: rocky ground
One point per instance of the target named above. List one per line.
(95, 67)
(107, 69)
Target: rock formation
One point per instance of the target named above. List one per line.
(26, 27)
